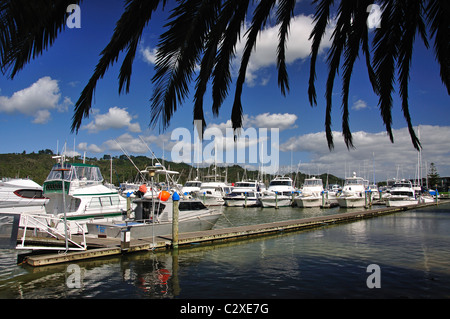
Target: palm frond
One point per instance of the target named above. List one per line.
(127, 33)
(179, 52)
(284, 14)
(28, 28)
(339, 36)
(215, 36)
(260, 15)
(438, 19)
(386, 41)
(412, 12)
(221, 75)
(321, 19)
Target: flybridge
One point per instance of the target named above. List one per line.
(84, 174)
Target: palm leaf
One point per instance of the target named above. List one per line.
(284, 15)
(261, 13)
(178, 53)
(221, 75)
(438, 19)
(28, 28)
(321, 19)
(126, 35)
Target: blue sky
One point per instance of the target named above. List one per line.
(36, 107)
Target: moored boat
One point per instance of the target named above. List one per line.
(153, 217)
(82, 197)
(402, 194)
(21, 195)
(353, 193)
(279, 193)
(245, 194)
(312, 193)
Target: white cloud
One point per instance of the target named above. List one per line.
(282, 121)
(374, 151)
(269, 120)
(84, 147)
(266, 48)
(116, 118)
(148, 54)
(36, 100)
(298, 47)
(359, 105)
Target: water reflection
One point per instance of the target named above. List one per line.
(411, 248)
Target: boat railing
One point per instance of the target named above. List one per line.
(47, 224)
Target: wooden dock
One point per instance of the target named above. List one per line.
(101, 247)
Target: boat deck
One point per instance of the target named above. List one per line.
(100, 247)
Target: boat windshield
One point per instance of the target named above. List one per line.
(280, 183)
(241, 184)
(193, 184)
(354, 181)
(313, 182)
(76, 172)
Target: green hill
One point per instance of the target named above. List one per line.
(36, 166)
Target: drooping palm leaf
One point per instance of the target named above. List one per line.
(221, 74)
(28, 28)
(284, 14)
(126, 35)
(205, 33)
(260, 16)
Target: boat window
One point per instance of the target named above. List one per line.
(193, 184)
(353, 181)
(315, 182)
(194, 205)
(106, 201)
(95, 202)
(88, 173)
(280, 183)
(29, 193)
(245, 185)
(115, 200)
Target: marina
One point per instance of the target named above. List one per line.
(410, 246)
(114, 245)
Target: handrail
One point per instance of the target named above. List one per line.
(43, 222)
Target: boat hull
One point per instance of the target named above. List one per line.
(392, 202)
(249, 202)
(308, 202)
(271, 201)
(147, 230)
(351, 202)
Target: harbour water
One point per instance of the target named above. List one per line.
(411, 249)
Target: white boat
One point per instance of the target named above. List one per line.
(245, 194)
(212, 193)
(191, 187)
(402, 194)
(279, 193)
(86, 198)
(354, 192)
(312, 193)
(21, 195)
(153, 217)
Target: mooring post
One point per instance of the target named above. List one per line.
(175, 214)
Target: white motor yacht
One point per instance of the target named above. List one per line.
(312, 193)
(85, 198)
(153, 217)
(279, 193)
(353, 193)
(402, 194)
(212, 193)
(21, 195)
(245, 194)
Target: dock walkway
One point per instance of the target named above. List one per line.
(100, 247)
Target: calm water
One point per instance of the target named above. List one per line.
(411, 248)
